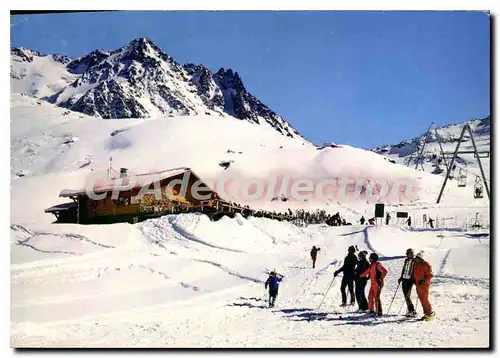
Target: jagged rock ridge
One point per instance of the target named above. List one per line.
(140, 80)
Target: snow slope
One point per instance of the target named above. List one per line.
(183, 281)
(46, 140)
(36, 75)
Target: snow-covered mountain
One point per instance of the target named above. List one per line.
(186, 281)
(448, 134)
(406, 152)
(138, 80)
(36, 75)
(50, 141)
(158, 282)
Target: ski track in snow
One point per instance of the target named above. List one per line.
(31, 235)
(229, 271)
(189, 236)
(239, 313)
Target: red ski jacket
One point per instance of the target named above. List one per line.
(422, 271)
(375, 272)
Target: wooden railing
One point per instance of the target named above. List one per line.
(215, 207)
(218, 208)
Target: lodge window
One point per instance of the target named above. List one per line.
(122, 201)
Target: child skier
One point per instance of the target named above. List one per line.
(314, 254)
(361, 282)
(348, 268)
(422, 275)
(406, 281)
(273, 281)
(376, 273)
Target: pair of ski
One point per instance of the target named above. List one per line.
(419, 319)
(366, 314)
(375, 316)
(348, 313)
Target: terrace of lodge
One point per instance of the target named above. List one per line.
(127, 207)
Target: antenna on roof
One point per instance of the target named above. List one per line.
(109, 169)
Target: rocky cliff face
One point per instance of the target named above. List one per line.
(140, 80)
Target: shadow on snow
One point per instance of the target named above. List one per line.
(310, 314)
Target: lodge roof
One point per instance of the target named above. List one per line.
(61, 207)
(129, 182)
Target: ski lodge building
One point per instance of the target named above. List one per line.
(127, 205)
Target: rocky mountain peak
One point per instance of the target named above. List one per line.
(229, 79)
(23, 54)
(140, 80)
(141, 50)
(80, 65)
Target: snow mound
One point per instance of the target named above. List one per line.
(182, 270)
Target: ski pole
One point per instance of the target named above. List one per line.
(416, 305)
(393, 297)
(402, 304)
(331, 283)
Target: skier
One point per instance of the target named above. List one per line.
(376, 273)
(409, 221)
(406, 281)
(314, 254)
(387, 218)
(348, 268)
(422, 275)
(362, 220)
(273, 281)
(361, 282)
(431, 223)
(336, 219)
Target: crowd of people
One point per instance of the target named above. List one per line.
(302, 216)
(371, 221)
(319, 217)
(357, 270)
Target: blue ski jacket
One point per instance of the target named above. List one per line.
(273, 282)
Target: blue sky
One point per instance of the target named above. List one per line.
(361, 78)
